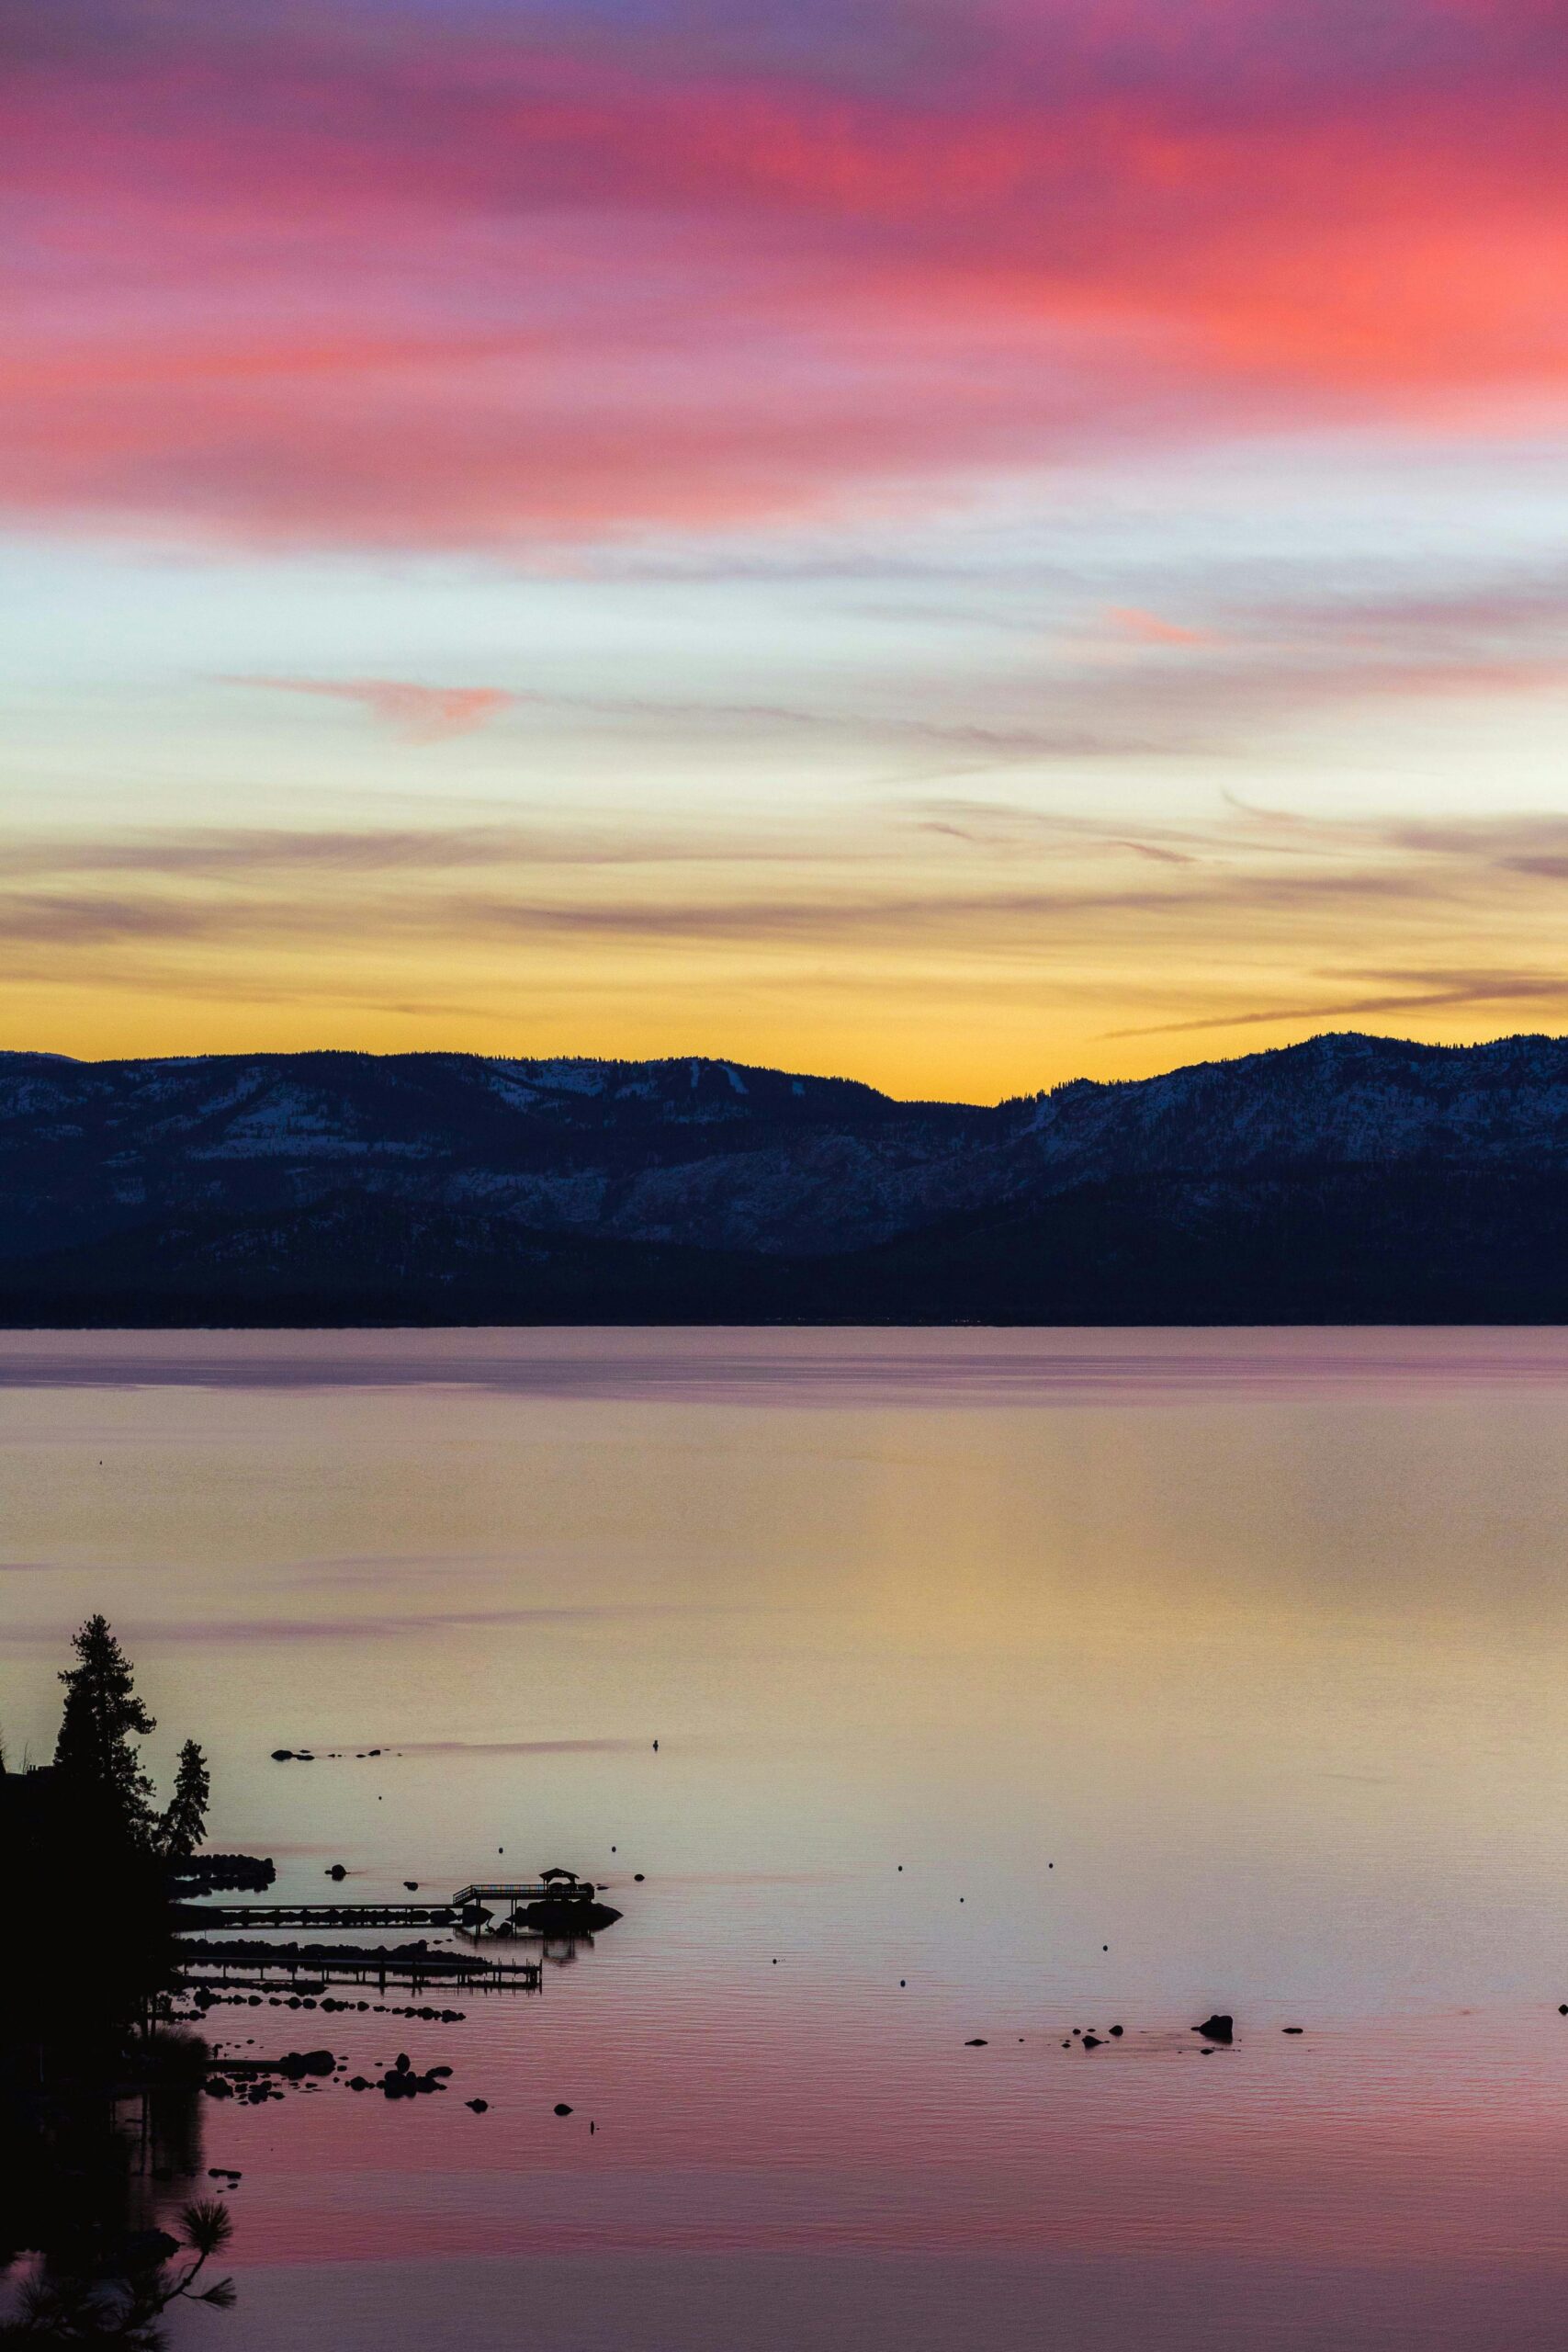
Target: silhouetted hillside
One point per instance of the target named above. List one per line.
(1350, 1178)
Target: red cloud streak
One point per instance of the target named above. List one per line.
(426, 714)
(402, 282)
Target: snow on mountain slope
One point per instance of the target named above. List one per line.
(1342, 1099)
(716, 1154)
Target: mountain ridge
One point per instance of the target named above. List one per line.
(334, 1185)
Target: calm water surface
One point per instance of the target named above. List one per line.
(1176, 1671)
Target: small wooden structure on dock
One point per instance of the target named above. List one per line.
(553, 1887)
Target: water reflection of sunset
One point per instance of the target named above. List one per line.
(1172, 1644)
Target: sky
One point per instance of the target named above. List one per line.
(963, 543)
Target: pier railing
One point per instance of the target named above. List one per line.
(319, 1914)
(516, 1891)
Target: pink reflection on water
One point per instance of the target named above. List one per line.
(1279, 1692)
(854, 2124)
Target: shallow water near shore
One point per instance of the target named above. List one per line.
(1004, 1684)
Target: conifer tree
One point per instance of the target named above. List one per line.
(185, 1817)
(94, 1754)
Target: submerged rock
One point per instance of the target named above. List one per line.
(402, 2082)
(296, 2064)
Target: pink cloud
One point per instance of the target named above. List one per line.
(1149, 628)
(378, 280)
(423, 714)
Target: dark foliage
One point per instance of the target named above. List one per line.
(1409, 1244)
(183, 1819)
(124, 2294)
(99, 1772)
(78, 2024)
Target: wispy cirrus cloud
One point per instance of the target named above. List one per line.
(973, 914)
(1127, 682)
(268, 855)
(383, 1625)
(404, 889)
(1410, 995)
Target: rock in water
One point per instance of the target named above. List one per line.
(1217, 2029)
(555, 1917)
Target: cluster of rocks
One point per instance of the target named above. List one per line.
(1218, 2032)
(257, 2093)
(295, 2064)
(401, 2080)
(222, 1874)
(252, 2078)
(256, 2080)
(329, 1755)
(206, 2000)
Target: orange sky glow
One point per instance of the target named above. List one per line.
(964, 547)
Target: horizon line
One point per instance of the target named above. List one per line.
(769, 1069)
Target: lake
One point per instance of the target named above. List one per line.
(1003, 1683)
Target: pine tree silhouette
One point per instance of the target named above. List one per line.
(94, 1755)
(185, 1817)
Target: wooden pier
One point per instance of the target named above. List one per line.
(319, 1914)
(471, 1907)
(515, 1895)
(256, 1964)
